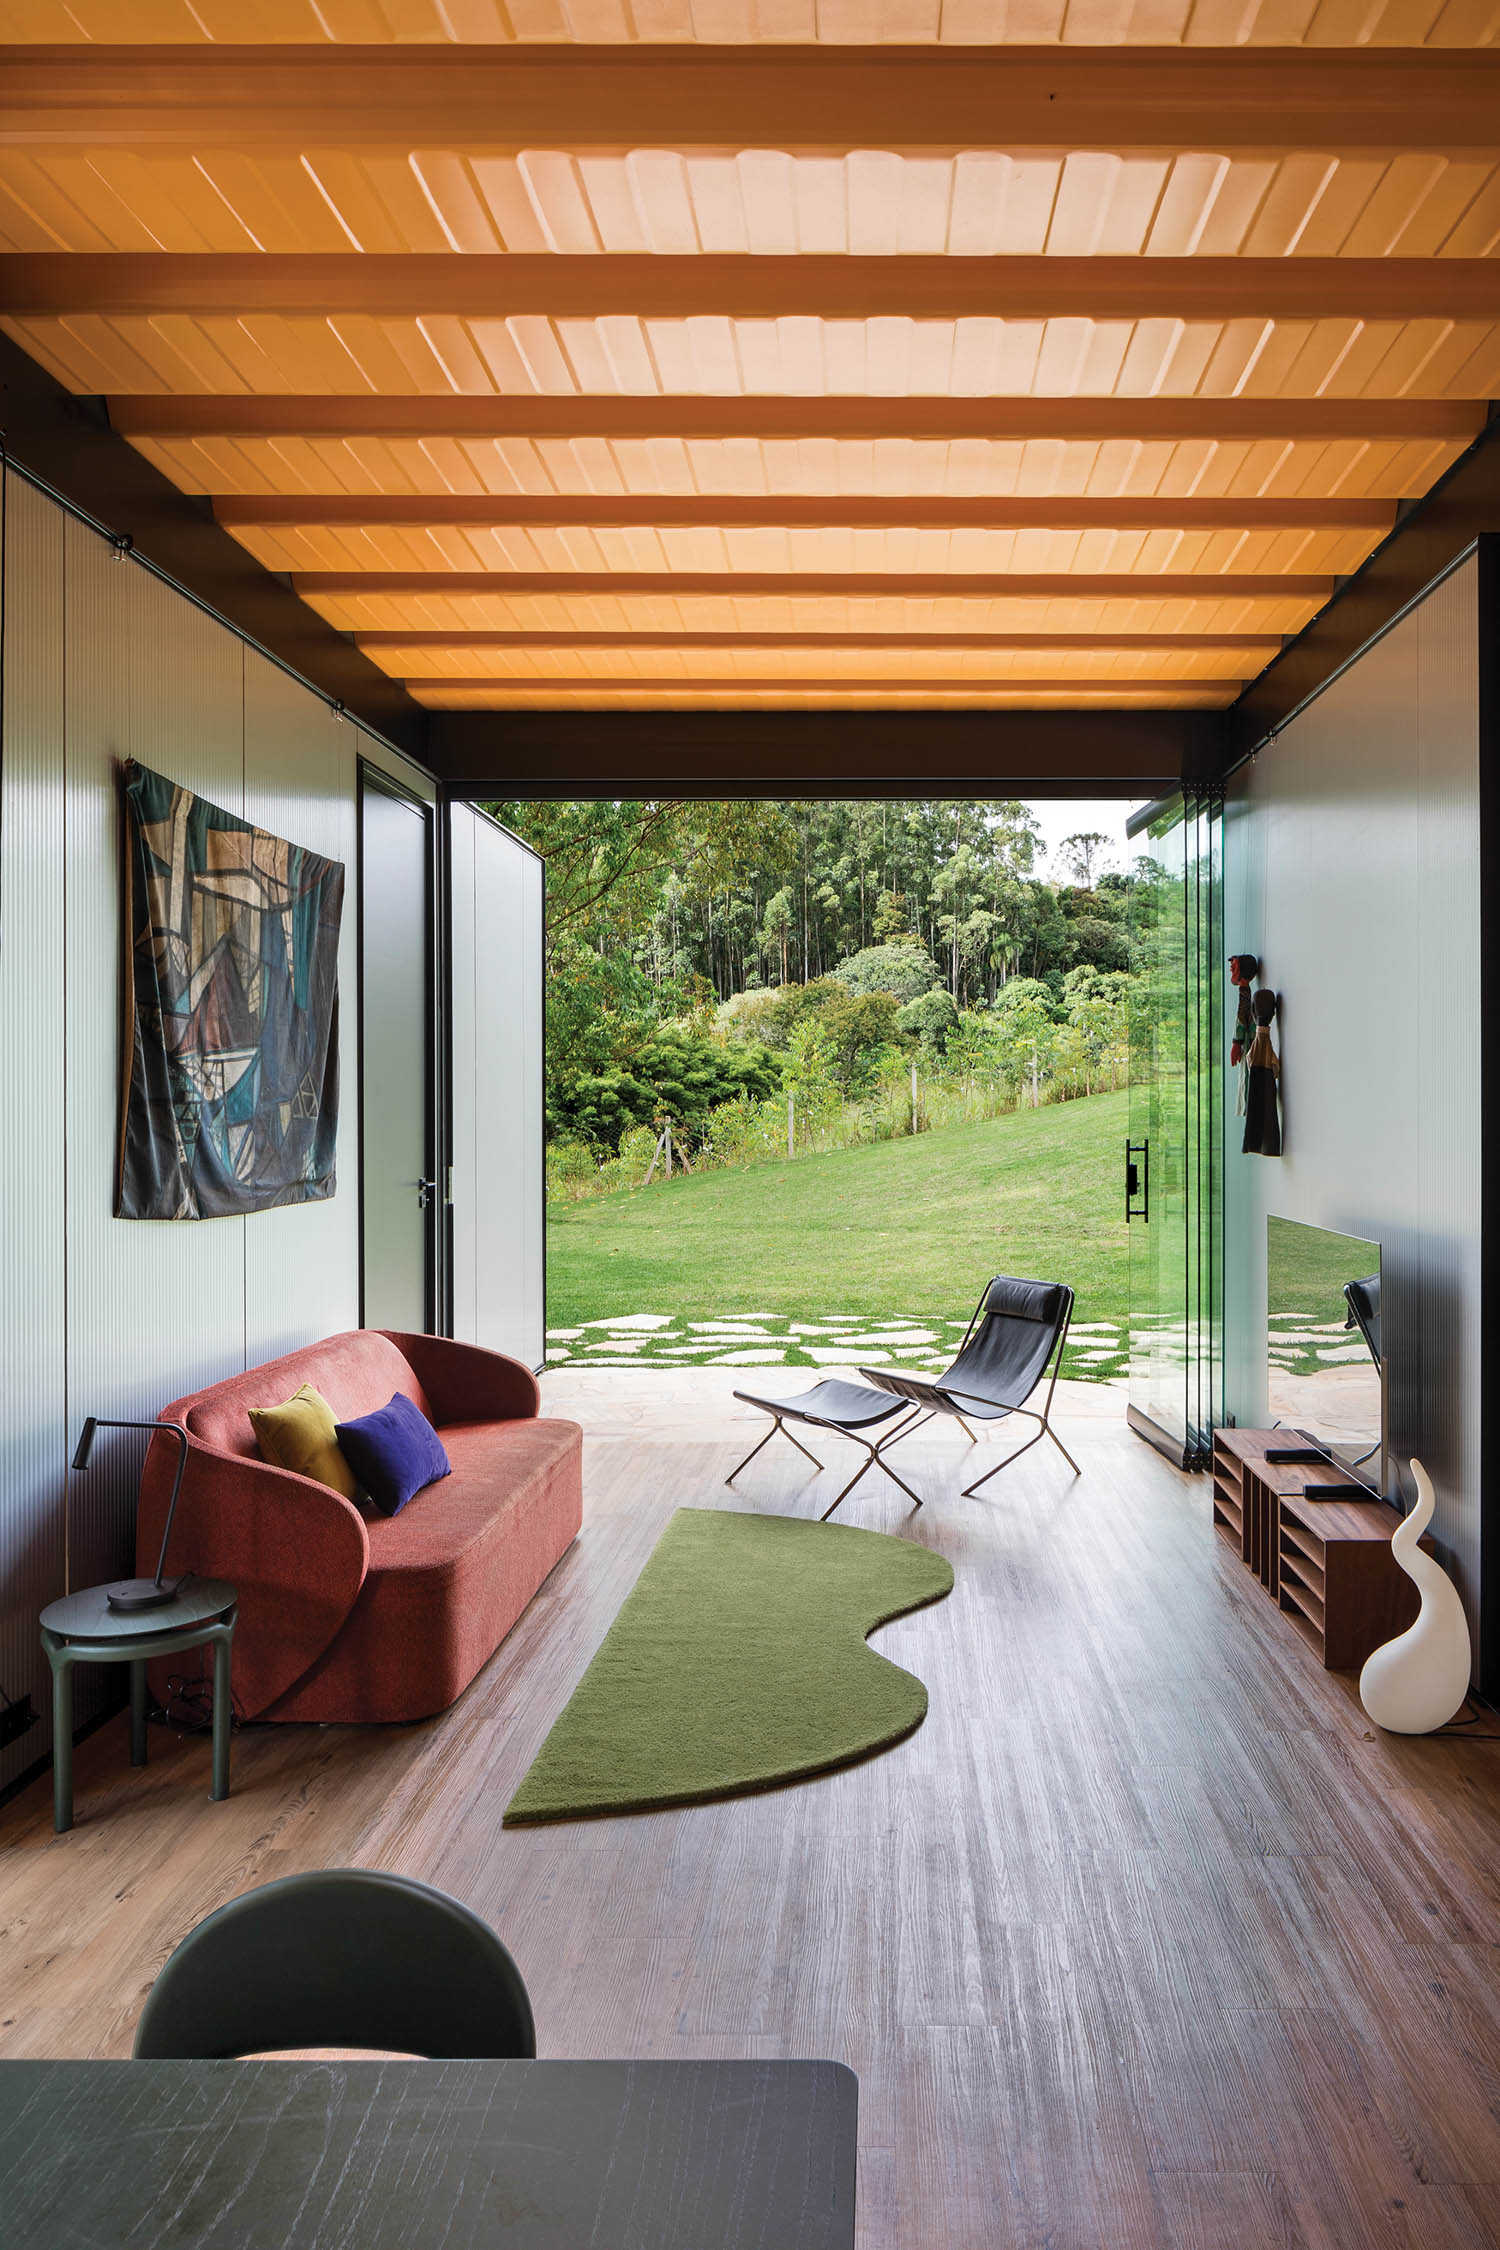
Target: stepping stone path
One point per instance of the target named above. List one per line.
(1096, 1348)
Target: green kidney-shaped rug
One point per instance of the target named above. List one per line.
(737, 1662)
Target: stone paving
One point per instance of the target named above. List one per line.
(1096, 1349)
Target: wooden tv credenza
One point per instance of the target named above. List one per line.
(1326, 1563)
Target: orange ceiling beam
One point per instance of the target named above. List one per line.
(800, 98)
(1022, 420)
(902, 684)
(485, 285)
(1262, 645)
(738, 510)
(935, 585)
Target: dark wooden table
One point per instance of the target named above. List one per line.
(82, 1629)
(427, 2155)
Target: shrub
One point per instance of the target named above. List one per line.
(673, 1074)
(629, 1168)
(906, 970)
(1099, 943)
(861, 1030)
(751, 1015)
(930, 1018)
(571, 1170)
(744, 1132)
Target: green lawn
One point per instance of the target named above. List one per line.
(768, 1265)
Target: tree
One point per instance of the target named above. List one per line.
(775, 930)
(970, 1047)
(861, 1031)
(606, 858)
(931, 1018)
(807, 1070)
(741, 922)
(1096, 1014)
(907, 971)
(670, 1076)
(1027, 1028)
(1084, 853)
(1098, 943)
(891, 922)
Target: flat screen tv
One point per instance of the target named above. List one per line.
(1327, 1372)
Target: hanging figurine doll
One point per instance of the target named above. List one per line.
(1243, 969)
(1262, 1077)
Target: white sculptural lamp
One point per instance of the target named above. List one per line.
(1417, 1681)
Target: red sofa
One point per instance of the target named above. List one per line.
(346, 1615)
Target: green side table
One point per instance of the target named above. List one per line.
(83, 1629)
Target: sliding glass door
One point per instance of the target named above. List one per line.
(1174, 1154)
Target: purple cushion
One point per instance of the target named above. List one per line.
(394, 1452)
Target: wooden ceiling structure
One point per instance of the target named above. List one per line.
(819, 356)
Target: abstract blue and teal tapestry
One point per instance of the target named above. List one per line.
(230, 1100)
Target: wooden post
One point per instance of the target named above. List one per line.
(791, 1124)
(667, 1137)
(655, 1153)
(914, 1094)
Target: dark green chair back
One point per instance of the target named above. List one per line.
(346, 1957)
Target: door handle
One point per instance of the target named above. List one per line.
(426, 1189)
(1137, 1181)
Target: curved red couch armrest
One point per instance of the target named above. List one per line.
(295, 1552)
(465, 1383)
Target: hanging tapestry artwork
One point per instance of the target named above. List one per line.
(230, 1100)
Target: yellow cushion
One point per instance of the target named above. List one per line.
(301, 1436)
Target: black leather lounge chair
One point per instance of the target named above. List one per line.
(1018, 1330)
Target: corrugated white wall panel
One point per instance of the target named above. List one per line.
(1352, 868)
(1435, 1399)
(154, 1309)
(498, 1225)
(98, 1314)
(33, 1424)
(302, 1262)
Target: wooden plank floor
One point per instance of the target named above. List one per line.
(1144, 1938)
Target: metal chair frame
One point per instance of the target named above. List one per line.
(920, 1392)
(909, 1418)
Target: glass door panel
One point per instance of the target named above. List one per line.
(1204, 1120)
(1173, 1157)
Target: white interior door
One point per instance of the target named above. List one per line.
(396, 1058)
(498, 1182)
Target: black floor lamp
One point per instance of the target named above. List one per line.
(139, 1593)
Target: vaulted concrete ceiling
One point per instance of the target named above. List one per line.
(594, 355)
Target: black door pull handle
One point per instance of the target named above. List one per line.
(1137, 1181)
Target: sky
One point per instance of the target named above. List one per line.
(1058, 817)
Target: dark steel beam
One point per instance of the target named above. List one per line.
(708, 754)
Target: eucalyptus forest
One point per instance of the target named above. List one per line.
(768, 978)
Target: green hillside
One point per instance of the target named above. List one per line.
(793, 1263)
